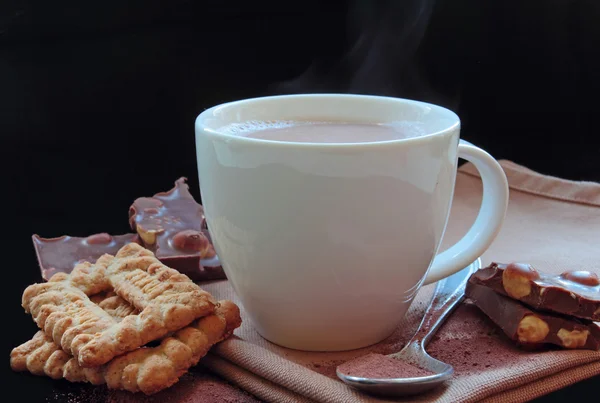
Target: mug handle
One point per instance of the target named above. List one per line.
(488, 221)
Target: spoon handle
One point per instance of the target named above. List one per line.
(448, 293)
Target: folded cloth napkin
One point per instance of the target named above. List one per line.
(551, 223)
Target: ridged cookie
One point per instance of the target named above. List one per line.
(166, 299)
(147, 369)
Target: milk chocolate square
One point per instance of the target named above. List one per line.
(63, 253)
(172, 225)
(532, 328)
(575, 293)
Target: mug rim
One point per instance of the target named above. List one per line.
(211, 112)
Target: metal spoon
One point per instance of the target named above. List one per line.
(448, 293)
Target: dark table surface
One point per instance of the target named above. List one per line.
(98, 99)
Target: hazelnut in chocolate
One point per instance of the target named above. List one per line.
(172, 225)
(575, 293)
(532, 328)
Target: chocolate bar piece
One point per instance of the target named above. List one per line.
(172, 225)
(575, 293)
(531, 328)
(63, 253)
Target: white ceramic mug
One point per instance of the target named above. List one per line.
(327, 244)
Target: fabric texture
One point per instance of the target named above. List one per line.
(551, 223)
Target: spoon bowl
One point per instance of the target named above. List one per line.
(446, 297)
(404, 386)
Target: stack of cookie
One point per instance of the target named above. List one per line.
(127, 321)
(534, 308)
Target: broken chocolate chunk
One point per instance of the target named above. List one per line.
(172, 225)
(575, 293)
(531, 328)
(63, 253)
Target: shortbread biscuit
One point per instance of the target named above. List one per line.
(167, 301)
(147, 369)
(41, 356)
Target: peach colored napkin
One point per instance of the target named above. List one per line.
(551, 223)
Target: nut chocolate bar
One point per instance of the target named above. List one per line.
(172, 225)
(531, 328)
(62, 254)
(575, 293)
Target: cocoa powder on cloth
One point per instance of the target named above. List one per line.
(196, 386)
(551, 223)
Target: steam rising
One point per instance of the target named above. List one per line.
(382, 59)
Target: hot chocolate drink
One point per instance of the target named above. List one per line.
(325, 132)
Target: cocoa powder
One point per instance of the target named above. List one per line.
(381, 366)
(471, 343)
(326, 368)
(468, 341)
(195, 386)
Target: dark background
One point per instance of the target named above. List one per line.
(98, 99)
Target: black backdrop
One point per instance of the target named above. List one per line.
(98, 99)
